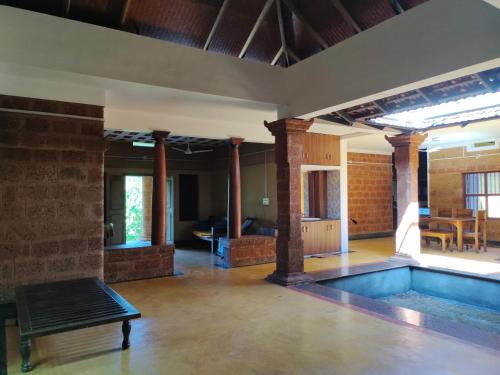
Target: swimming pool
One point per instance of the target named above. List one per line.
(466, 306)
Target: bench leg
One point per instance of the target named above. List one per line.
(25, 349)
(126, 334)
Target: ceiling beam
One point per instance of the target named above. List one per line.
(346, 15)
(216, 24)
(282, 31)
(319, 39)
(123, 17)
(256, 26)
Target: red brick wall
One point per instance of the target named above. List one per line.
(138, 263)
(51, 193)
(370, 193)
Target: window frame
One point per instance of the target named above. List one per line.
(486, 193)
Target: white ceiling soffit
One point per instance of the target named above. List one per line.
(495, 3)
(439, 40)
(55, 43)
(436, 138)
(436, 41)
(463, 135)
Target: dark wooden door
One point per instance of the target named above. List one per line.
(115, 206)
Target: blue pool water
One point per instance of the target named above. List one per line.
(461, 298)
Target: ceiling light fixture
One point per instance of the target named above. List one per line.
(143, 144)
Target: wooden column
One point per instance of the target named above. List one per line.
(159, 215)
(234, 219)
(289, 150)
(406, 159)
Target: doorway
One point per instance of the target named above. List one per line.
(170, 209)
(138, 200)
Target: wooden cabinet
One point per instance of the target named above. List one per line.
(322, 236)
(322, 149)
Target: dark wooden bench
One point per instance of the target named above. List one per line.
(45, 309)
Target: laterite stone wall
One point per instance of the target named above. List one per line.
(369, 193)
(248, 250)
(138, 263)
(446, 186)
(51, 192)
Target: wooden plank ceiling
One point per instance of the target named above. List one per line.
(279, 32)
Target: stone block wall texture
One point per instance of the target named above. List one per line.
(138, 263)
(51, 192)
(446, 169)
(369, 193)
(248, 250)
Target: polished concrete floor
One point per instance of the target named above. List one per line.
(212, 320)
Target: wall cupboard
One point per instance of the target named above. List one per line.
(322, 236)
(322, 149)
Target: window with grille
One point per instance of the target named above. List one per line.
(482, 192)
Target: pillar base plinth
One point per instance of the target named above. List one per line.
(290, 279)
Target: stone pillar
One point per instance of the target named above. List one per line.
(406, 159)
(159, 215)
(289, 150)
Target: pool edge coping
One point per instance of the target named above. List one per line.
(490, 342)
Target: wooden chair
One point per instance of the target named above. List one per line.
(445, 212)
(446, 237)
(463, 212)
(479, 232)
(442, 212)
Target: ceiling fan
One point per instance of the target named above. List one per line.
(188, 150)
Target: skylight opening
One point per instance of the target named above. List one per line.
(474, 108)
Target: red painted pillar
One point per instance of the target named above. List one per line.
(406, 160)
(234, 219)
(289, 150)
(159, 214)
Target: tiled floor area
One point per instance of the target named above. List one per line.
(212, 320)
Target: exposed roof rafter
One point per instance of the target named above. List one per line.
(256, 26)
(278, 55)
(67, 7)
(292, 54)
(346, 15)
(346, 117)
(425, 96)
(319, 39)
(216, 24)
(484, 83)
(282, 31)
(123, 17)
(396, 6)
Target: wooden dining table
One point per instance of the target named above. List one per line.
(457, 222)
